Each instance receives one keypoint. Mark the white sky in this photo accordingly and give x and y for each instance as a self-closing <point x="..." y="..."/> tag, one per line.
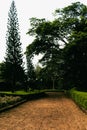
<point x="27" y="9"/>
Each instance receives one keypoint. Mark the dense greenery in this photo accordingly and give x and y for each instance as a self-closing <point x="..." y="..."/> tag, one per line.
<point x="79" y="97"/>
<point x="13" y="71"/>
<point x="7" y="101"/>
<point x="31" y="76"/>
<point x="62" y="44"/>
<point x="65" y="64"/>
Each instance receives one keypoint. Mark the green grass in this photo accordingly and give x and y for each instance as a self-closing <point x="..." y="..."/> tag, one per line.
<point x="21" y="93"/>
<point x="79" y="97"/>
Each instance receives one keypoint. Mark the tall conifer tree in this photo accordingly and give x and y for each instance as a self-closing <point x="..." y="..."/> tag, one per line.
<point x="13" y="59"/>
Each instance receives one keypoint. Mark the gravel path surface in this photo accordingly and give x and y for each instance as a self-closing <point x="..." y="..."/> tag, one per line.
<point x="51" y="113"/>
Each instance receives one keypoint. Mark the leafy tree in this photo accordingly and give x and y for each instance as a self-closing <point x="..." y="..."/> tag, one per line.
<point x="37" y="70"/>
<point x="2" y="70"/>
<point x="46" y="44"/>
<point x="30" y="73"/>
<point x="13" y="59"/>
<point x="69" y="17"/>
<point x="70" y="29"/>
<point x="75" y="57"/>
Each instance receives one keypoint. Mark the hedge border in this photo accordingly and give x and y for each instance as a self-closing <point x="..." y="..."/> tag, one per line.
<point x="71" y="93"/>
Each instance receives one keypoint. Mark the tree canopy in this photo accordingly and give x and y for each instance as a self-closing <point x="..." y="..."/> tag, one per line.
<point x="69" y="28"/>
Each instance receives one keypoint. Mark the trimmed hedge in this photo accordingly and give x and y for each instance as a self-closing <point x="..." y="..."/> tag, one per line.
<point x="79" y="97"/>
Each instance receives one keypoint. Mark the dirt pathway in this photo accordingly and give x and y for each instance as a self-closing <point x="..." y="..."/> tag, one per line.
<point x="50" y="113"/>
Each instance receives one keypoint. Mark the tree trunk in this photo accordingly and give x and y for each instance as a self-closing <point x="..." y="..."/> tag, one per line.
<point x="53" y="84"/>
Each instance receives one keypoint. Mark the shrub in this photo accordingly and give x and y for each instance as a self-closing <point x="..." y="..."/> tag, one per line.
<point x="79" y="97"/>
<point x="8" y="100"/>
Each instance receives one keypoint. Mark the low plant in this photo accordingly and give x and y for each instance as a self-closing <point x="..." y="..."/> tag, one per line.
<point x="8" y="100"/>
<point x="79" y="97"/>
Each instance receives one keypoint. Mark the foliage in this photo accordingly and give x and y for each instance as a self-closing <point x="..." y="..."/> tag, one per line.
<point x="75" y="54"/>
<point x="46" y="44"/>
<point x="13" y="60"/>
<point x="13" y="51"/>
<point x="2" y="70"/>
<point x="31" y="76"/>
<point x="79" y="97"/>
<point x="69" y="63"/>
<point x="74" y="21"/>
<point x="70" y="17"/>
<point x="6" y="101"/>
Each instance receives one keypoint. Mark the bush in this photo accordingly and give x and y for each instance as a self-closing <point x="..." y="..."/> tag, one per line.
<point x="79" y="97"/>
<point x="8" y="100"/>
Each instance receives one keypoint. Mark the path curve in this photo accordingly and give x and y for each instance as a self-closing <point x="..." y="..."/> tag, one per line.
<point x="51" y="113"/>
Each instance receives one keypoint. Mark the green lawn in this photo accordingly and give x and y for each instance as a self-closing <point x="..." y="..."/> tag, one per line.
<point x="21" y="92"/>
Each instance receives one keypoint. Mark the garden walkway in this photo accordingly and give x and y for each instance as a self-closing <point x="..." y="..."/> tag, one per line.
<point x="51" y="113"/>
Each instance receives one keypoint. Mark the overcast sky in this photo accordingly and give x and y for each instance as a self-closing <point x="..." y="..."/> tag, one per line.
<point x="27" y="9"/>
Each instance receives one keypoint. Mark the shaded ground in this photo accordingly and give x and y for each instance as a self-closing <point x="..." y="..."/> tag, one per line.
<point x="51" y="113"/>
